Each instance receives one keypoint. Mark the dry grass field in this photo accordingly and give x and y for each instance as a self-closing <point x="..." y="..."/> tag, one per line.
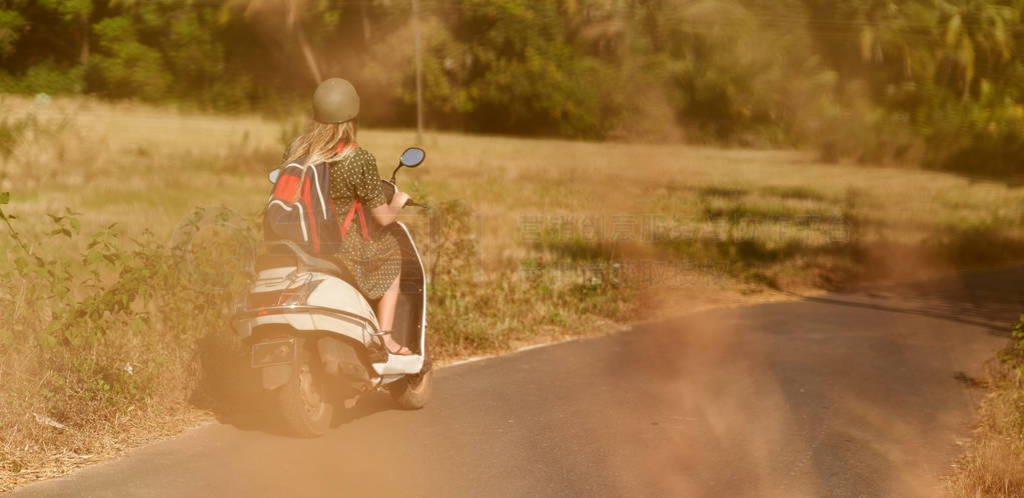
<point x="530" y="240"/>
<point x="993" y="463"/>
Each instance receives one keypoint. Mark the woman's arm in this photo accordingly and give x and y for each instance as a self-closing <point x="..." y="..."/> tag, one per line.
<point x="386" y="213"/>
<point x="364" y="180"/>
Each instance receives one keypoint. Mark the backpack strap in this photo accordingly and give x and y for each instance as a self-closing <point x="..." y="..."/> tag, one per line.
<point x="342" y="147"/>
<point x="356" y="206"/>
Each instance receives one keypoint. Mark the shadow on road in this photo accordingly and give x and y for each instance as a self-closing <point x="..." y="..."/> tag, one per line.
<point x="991" y="299"/>
<point x="367" y="404"/>
<point x="258" y="413"/>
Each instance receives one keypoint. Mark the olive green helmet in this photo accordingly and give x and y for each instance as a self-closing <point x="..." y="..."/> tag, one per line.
<point x="335" y="101"/>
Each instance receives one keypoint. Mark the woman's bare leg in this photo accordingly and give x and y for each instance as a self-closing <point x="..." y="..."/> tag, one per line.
<point x="386" y="316"/>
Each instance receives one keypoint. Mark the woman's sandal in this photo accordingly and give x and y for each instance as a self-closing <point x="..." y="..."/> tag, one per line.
<point x="401" y="351"/>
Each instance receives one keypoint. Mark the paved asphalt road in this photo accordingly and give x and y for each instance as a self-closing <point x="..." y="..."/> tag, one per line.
<point x="854" y="394"/>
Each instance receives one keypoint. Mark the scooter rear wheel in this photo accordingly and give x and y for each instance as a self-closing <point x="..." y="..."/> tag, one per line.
<point x="303" y="400"/>
<point x="413" y="392"/>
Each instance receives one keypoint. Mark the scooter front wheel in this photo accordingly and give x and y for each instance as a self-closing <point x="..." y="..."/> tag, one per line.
<point x="303" y="400"/>
<point x="413" y="391"/>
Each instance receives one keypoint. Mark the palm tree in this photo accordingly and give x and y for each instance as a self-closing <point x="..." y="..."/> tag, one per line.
<point x="967" y="36"/>
<point x="977" y="29"/>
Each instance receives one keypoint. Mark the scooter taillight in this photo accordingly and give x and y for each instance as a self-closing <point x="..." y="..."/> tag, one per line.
<point x="262" y="299"/>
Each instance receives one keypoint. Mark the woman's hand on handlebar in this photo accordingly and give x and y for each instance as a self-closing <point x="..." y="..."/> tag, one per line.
<point x="386" y="213"/>
<point x="399" y="200"/>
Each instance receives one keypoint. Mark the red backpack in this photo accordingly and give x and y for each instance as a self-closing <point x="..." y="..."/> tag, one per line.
<point x="309" y="220"/>
<point x="307" y="216"/>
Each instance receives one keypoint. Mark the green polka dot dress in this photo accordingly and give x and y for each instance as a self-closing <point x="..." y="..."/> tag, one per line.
<point x="373" y="263"/>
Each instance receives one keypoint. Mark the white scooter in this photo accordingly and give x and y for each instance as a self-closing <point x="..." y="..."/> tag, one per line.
<point x="316" y="338"/>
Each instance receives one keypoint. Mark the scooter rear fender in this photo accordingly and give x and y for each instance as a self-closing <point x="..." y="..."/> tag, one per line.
<point x="339" y="357"/>
<point x="276" y="376"/>
<point x="307" y="319"/>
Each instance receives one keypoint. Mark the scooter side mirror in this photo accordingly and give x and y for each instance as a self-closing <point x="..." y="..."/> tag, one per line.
<point x="412" y="157"/>
<point x="274" y="175"/>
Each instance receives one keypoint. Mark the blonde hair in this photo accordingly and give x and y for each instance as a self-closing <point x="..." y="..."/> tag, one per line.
<point x="322" y="142"/>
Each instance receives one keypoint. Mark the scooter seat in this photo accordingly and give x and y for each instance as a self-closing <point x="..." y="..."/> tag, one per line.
<point x="288" y="249"/>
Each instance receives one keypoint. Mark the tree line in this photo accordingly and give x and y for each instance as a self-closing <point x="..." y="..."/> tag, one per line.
<point x="936" y="82"/>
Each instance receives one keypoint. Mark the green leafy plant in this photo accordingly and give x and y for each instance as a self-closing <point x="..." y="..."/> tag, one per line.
<point x="114" y="319"/>
<point x="1016" y="354"/>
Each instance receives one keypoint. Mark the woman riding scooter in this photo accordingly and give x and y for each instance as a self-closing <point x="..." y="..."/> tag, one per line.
<point x="369" y="252"/>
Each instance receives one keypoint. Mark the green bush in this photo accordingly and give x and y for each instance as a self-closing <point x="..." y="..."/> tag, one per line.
<point x="1014" y="355"/>
<point x="46" y="77"/>
<point x="125" y="67"/>
<point x="116" y="325"/>
<point x="11" y="25"/>
<point x="983" y="136"/>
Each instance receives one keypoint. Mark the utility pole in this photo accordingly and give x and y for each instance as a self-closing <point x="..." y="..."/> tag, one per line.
<point x="419" y="71"/>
